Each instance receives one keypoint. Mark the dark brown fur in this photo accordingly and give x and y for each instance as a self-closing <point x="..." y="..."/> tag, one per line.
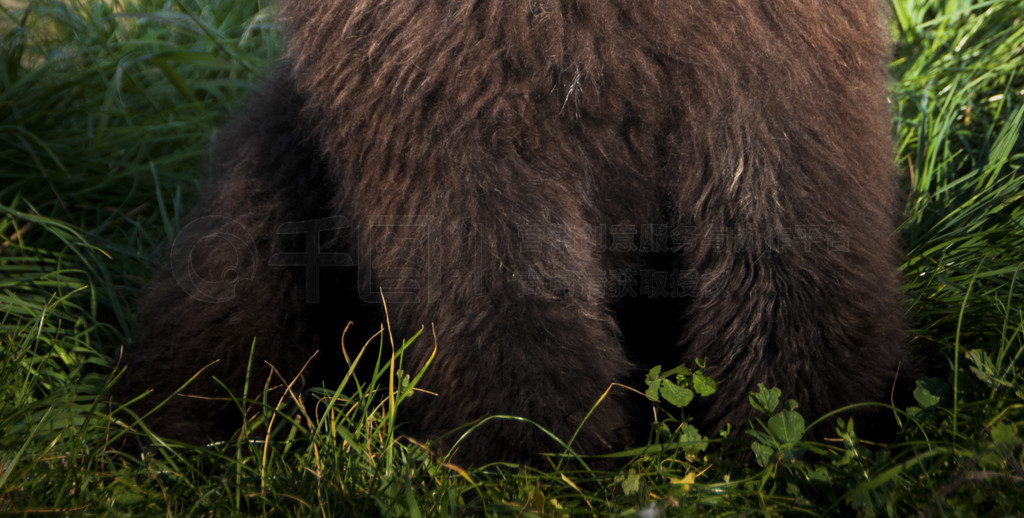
<point x="489" y="158"/>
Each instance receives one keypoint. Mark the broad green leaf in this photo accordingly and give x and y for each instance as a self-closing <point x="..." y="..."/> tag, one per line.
<point x="763" y="453"/>
<point x="632" y="483"/>
<point x="676" y="395"/>
<point x="787" y="426"/>
<point x="704" y="385"/>
<point x="930" y="392"/>
<point x="766" y="400"/>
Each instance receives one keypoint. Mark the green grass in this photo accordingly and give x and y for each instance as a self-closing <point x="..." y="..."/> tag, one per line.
<point x="105" y="111"/>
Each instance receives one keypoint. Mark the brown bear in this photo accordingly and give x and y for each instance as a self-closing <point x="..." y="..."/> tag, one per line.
<point x="563" y="193"/>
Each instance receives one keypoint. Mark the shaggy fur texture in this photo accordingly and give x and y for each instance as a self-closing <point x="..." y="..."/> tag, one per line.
<point x="567" y="191"/>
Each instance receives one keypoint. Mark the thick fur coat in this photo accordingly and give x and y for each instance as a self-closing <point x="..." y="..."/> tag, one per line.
<point x="563" y="192"/>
